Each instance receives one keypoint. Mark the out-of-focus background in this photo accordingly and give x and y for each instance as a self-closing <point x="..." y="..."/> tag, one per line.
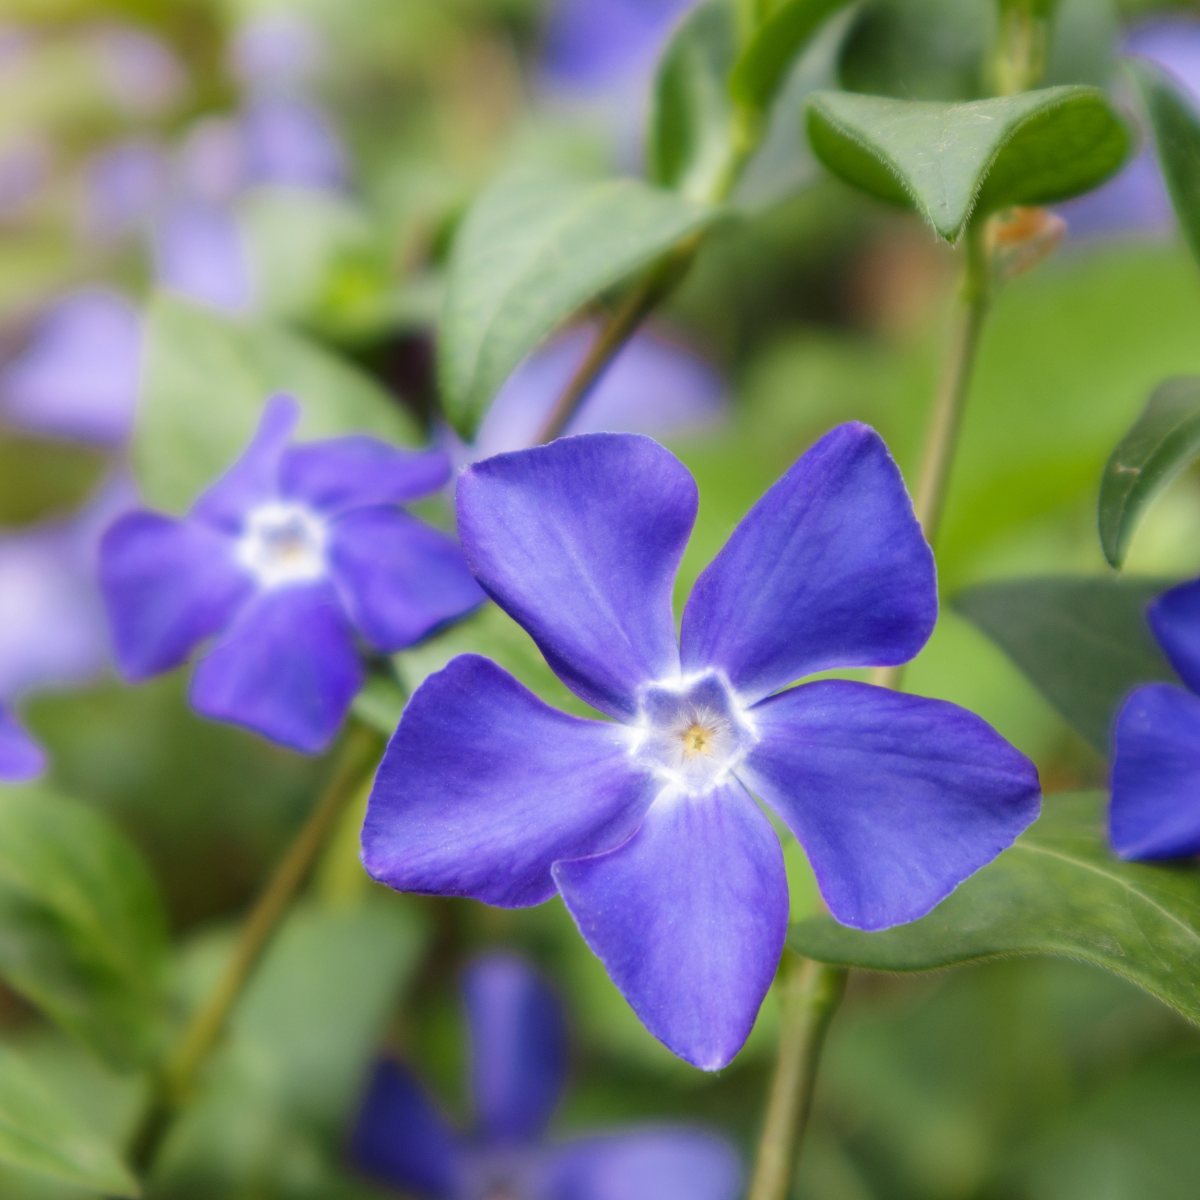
<point x="303" y="165"/>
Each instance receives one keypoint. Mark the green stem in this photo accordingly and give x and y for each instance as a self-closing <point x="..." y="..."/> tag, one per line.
<point x="811" y="993"/>
<point x="359" y="756"/>
<point x="941" y="443"/>
<point x="658" y="283"/>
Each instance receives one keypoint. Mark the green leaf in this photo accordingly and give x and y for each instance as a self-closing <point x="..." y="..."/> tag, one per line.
<point x="494" y="634"/>
<point x="1060" y="891"/>
<point x="39" y="1132"/>
<point x="82" y="928"/>
<point x="954" y="161"/>
<point x="783" y="36"/>
<point x="691" y="125"/>
<point x="1163" y="440"/>
<point x="205" y="380"/>
<point x="537" y="245"/>
<point x="1177" y="135"/>
<point x="1084" y="643"/>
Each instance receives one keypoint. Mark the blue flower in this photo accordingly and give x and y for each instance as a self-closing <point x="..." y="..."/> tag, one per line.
<point x="288" y="556"/>
<point x="77" y="375"/>
<point x="653" y="386"/>
<point x="645" y="824"/>
<point x="21" y="758"/>
<point x="52" y="627"/>
<point x="1136" y="199"/>
<point x="1155" y="811"/>
<point x="518" y="1067"/>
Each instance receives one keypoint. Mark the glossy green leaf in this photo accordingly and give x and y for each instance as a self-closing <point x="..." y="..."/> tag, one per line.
<point x="1083" y="642"/>
<point x="536" y="246"/>
<point x="1176" y="126"/>
<point x="1163" y="440"/>
<point x="778" y="42"/>
<point x="690" y="127"/>
<point x="40" y="1133"/>
<point x="954" y="161"/>
<point x="1059" y="890"/>
<point x="205" y="380"/>
<point x="82" y="928"/>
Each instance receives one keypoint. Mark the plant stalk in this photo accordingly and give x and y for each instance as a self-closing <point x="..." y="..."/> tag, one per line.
<point x="359" y="755"/>
<point x="661" y="280"/>
<point x="950" y="401"/>
<point x="812" y="992"/>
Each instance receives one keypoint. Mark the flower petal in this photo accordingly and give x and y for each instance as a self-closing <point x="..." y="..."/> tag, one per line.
<point x="286" y="668"/>
<point x="1175" y="619"/>
<point x="200" y="253"/>
<point x="689" y="918"/>
<point x="1156" y="775"/>
<point x="21" y="757"/>
<point x="78" y="377"/>
<point x="254" y="478"/>
<point x="167" y="585"/>
<point x="398" y="578"/>
<point x="829" y="569"/>
<point x="518" y="1048"/>
<point x="483" y="787"/>
<point x="579" y="541"/>
<point x="350" y="472"/>
<point x="401" y="1140"/>
<point x="645" y="1164"/>
<point x="291" y="143"/>
<point x="896" y="799"/>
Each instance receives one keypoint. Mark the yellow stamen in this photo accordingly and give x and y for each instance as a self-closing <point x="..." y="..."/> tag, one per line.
<point x="697" y="739"/>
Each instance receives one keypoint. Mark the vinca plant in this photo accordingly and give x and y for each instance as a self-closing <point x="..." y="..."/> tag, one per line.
<point x="599" y="599"/>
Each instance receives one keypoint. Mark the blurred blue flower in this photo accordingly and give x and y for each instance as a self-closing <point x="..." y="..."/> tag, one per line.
<point x="142" y="73"/>
<point x="645" y="824"/>
<point x="518" y="1068"/>
<point x="599" y="57"/>
<point x="1155" y="809"/>
<point x="124" y="185"/>
<point x="21" y="757"/>
<point x="274" y="51"/>
<point x="53" y="632"/>
<point x="653" y="386"/>
<point x="200" y="252"/>
<point x="293" y="553"/>
<point x="1136" y="200"/>
<point x="77" y="375"/>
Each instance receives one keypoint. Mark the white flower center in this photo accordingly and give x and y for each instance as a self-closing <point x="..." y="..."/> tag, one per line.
<point x="282" y="544"/>
<point x="693" y="732"/>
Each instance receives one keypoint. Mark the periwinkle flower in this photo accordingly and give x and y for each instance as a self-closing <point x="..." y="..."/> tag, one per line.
<point x="52" y="628"/>
<point x="77" y="375"/>
<point x="293" y="554"/>
<point x="518" y="1068"/>
<point x="124" y="186"/>
<point x="645" y="823"/>
<point x="1136" y="199"/>
<point x="291" y="143"/>
<point x="1155" y="810"/>
<point x="145" y="77"/>
<point x="653" y="386"/>
<point x="201" y="252"/>
<point x="21" y="758"/>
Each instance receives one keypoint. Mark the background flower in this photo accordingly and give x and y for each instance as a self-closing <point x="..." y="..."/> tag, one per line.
<point x="518" y="1069"/>
<point x="285" y="559"/>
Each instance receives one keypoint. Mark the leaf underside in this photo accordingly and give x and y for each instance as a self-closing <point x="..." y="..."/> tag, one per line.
<point x="536" y="246"/>
<point x="1083" y="642"/>
<point x="1058" y="891"/>
<point x="1163" y="440"/>
<point x="954" y="161"/>
<point x="205" y="380"/>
